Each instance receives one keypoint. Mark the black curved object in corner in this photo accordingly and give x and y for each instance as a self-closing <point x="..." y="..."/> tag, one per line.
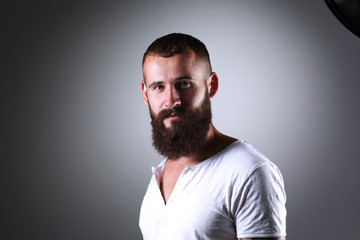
<point x="347" y="12"/>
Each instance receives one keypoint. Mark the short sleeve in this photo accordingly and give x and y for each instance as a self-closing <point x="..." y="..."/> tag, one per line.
<point x="259" y="206"/>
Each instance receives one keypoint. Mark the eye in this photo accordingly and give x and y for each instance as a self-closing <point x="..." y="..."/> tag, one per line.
<point x="157" y="87"/>
<point x="184" y="84"/>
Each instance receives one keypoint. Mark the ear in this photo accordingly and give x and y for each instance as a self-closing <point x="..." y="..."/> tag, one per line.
<point x="144" y="92"/>
<point x="213" y="84"/>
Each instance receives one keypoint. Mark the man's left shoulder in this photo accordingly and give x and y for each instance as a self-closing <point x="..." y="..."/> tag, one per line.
<point x="242" y="156"/>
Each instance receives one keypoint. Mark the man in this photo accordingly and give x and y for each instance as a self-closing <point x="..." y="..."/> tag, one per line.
<point x="210" y="186"/>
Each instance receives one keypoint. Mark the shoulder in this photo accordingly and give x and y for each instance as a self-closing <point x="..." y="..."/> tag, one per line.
<point x="241" y="161"/>
<point x="241" y="157"/>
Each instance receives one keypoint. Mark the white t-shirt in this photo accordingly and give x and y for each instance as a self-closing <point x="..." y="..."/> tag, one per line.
<point x="237" y="193"/>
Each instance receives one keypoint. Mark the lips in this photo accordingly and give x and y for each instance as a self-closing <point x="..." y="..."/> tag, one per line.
<point x="173" y="116"/>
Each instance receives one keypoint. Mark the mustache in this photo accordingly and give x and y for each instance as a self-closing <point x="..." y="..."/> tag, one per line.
<point x="171" y="111"/>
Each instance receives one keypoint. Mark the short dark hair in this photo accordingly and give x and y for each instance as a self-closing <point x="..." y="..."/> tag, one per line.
<point x="177" y="43"/>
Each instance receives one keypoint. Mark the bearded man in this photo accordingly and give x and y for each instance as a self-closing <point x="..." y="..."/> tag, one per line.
<point x="210" y="186"/>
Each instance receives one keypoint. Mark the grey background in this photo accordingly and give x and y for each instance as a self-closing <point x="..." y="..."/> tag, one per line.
<point x="77" y="139"/>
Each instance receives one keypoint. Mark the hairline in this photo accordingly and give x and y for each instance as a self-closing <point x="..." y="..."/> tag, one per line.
<point x="203" y="59"/>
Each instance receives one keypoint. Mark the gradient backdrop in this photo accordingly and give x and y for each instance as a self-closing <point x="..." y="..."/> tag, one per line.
<point x="77" y="136"/>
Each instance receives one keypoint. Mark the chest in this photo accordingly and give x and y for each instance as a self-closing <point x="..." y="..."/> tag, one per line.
<point x="197" y="206"/>
<point x="168" y="181"/>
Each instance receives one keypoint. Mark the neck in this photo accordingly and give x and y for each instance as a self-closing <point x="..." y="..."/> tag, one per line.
<point x="214" y="143"/>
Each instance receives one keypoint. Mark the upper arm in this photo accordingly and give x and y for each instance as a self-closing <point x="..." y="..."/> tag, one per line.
<point x="260" y="206"/>
<point x="275" y="238"/>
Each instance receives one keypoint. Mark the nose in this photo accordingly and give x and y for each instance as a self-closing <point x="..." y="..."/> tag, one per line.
<point x="172" y="98"/>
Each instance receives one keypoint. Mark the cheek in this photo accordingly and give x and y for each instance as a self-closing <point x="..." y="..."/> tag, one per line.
<point x="154" y="104"/>
<point x="196" y="98"/>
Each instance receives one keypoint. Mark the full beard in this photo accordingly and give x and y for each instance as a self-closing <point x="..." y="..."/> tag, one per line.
<point x="185" y="135"/>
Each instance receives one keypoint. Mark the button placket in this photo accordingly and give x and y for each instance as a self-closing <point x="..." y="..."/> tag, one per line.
<point x="178" y="186"/>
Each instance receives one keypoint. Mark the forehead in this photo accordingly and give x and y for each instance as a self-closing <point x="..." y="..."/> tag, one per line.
<point x="160" y="68"/>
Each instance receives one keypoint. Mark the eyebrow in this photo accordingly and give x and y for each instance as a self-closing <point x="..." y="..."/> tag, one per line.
<point x="155" y="83"/>
<point x="183" y="77"/>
